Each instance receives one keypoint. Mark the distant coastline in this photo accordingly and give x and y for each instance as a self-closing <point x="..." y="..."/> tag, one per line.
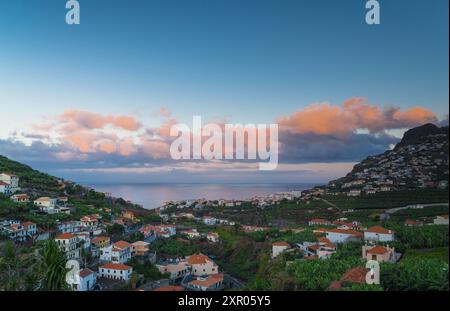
<point x="152" y="195"/>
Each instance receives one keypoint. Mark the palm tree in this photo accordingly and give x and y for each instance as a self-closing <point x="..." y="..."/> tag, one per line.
<point x="54" y="264"/>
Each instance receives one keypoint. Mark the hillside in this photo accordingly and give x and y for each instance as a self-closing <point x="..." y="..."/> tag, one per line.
<point x="36" y="183"/>
<point x="30" y="178"/>
<point x="418" y="161"/>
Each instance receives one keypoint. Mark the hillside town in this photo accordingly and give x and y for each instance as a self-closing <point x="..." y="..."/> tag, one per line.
<point x="211" y="245"/>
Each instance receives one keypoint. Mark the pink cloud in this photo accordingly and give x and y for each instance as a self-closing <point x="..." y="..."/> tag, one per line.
<point x="353" y="114"/>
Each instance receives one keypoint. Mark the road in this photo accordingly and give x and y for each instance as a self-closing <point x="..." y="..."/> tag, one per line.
<point x="395" y="209"/>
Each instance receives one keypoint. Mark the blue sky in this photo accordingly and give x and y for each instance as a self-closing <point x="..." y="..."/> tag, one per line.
<point x="243" y="61"/>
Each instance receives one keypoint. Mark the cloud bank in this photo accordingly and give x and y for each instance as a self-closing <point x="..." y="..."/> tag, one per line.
<point x="320" y="132"/>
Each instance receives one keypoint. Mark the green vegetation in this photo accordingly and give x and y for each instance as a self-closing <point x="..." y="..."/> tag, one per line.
<point x="171" y="247"/>
<point x="147" y="269"/>
<point x="384" y="200"/>
<point x="420" y="237"/>
<point x="416" y="274"/>
<point x="41" y="267"/>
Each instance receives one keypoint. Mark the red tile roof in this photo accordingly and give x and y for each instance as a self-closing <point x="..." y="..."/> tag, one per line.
<point x="211" y="280"/>
<point x="169" y="288"/>
<point x="198" y="259"/>
<point x="85" y="272"/>
<point x="114" y="266"/>
<point x="355" y="275"/>
<point x="378" y="250"/>
<point x="122" y="244"/>
<point x="65" y="236"/>
<point x="379" y="229"/>
<point x="99" y="239"/>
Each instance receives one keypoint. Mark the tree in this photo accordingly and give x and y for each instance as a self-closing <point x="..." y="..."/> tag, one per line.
<point x="54" y="265"/>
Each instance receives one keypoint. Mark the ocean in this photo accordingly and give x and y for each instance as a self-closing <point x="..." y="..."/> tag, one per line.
<point x="153" y="195"/>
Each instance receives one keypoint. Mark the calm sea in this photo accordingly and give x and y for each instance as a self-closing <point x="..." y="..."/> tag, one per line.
<point x="153" y="195"/>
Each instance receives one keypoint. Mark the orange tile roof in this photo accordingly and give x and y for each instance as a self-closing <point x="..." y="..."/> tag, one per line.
<point x="65" y="236"/>
<point x="320" y="220"/>
<point x="211" y="280"/>
<point x="355" y="275"/>
<point x="324" y="240"/>
<point x="169" y="288"/>
<point x="379" y="229"/>
<point x="99" y="239"/>
<point x="122" y="244"/>
<point x="115" y="266"/>
<point x="85" y="272"/>
<point x="378" y="250"/>
<point x="329" y="245"/>
<point x="197" y="259"/>
<point x="413" y="222"/>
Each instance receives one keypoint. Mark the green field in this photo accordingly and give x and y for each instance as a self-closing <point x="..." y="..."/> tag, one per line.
<point x="436" y="253"/>
<point x="385" y="200"/>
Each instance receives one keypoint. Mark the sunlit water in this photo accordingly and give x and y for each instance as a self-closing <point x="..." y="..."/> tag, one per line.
<point x="153" y="195"/>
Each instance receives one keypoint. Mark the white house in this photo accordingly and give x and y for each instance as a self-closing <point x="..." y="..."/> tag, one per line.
<point x="115" y="271"/>
<point x="212" y="237"/>
<point x="379" y="253"/>
<point x="210" y="221"/>
<point x="5" y="188"/>
<point x="118" y="253"/>
<point x="175" y="270"/>
<point x="379" y="234"/>
<point x="278" y="248"/>
<point x="202" y="265"/>
<point x="69" y="244"/>
<point x="441" y="220"/>
<point x="11" y="180"/>
<point x="191" y="233"/>
<point x="21" y="231"/>
<point x="20" y="198"/>
<point x="87" y="280"/>
<point x="342" y="235"/>
<point x="46" y="204"/>
<point x="73" y="226"/>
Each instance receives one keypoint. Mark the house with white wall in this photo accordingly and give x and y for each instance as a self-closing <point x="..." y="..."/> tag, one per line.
<point x="20" y="232"/>
<point x="378" y="234"/>
<point x="10" y="181"/>
<point x="279" y="247"/>
<point x="176" y="270"/>
<point x="46" y="204"/>
<point x="115" y="271"/>
<point x="202" y="265"/>
<point x="342" y="235"/>
<point x="69" y="244"/>
<point x="379" y="253"/>
<point x="209" y="283"/>
<point x="87" y="280"/>
<point x="441" y="220"/>
<point x="119" y="252"/>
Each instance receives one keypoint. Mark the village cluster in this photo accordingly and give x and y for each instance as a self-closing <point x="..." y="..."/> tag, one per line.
<point x="421" y="165"/>
<point x="196" y="272"/>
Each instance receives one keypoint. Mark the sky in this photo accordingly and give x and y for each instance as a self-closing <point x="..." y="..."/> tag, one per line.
<point x="94" y="101"/>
